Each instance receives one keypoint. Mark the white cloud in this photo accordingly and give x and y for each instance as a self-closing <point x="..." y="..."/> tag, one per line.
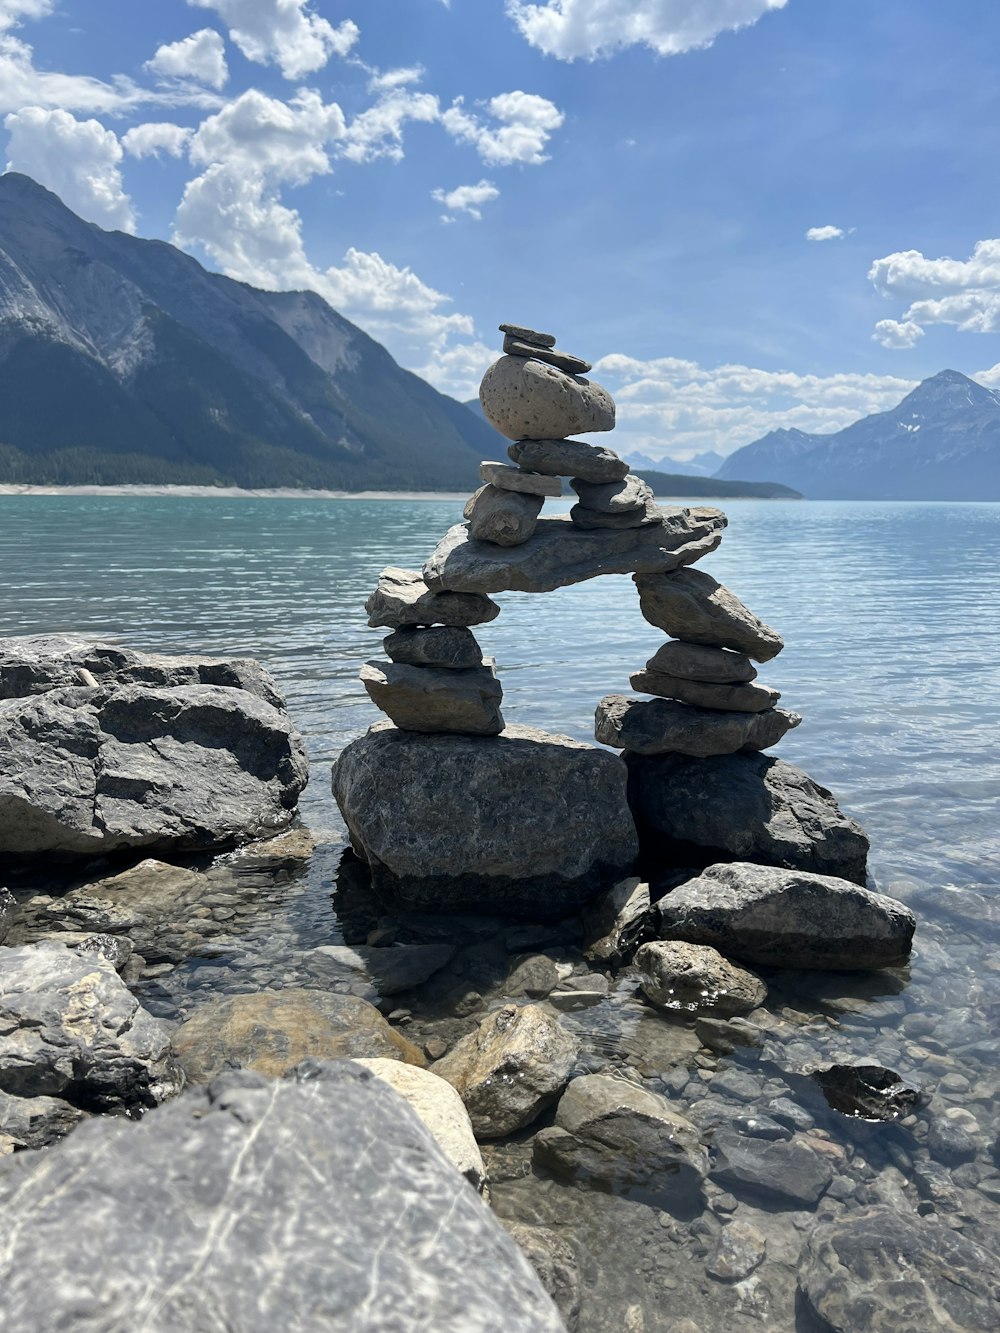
<point x="286" y="33"/>
<point x="79" y="159"/>
<point x="527" y="122"/>
<point x="467" y="198"/>
<point x="572" y="29"/>
<point x="13" y="12"/>
<point x="263" y="136"/>
<point x="382" y="81"/>
<point x="378" y="132"/>
<point x="156" y="137"/>
<point x="893" y="334"/>
<point x="961" y="292"/>
<point x="824" y="233"/>
<point x="673" y="408"/>
<point x="201" y="57"/>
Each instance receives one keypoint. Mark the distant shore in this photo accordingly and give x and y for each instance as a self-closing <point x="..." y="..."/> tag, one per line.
<point x="226" y="492"/>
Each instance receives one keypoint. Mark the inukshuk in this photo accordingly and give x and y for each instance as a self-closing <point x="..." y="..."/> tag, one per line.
<point x="438" y="689"/>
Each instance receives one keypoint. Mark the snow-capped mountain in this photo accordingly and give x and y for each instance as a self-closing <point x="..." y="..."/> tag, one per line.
<point x="941" y="443"/>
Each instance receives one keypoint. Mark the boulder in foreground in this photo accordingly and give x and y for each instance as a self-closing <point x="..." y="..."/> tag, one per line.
<point x="321" y="1203"/>
<point x="740" y="807"/>
<point x="788" y="918"/>
<point x="525" y="823"/>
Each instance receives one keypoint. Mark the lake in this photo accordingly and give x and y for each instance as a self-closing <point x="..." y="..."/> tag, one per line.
<point x="890" y="616"/>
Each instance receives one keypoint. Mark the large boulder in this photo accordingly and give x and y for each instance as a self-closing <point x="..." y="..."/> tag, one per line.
<point x="788" y="918"/>
<point x="525" y="823"/>
<point x="90" y="770"/>
<point x="740" y="807"/>
<point x="272" y="1032"/>
<point x="71" y="1029"/>
<point x="320" y="1204"/>
<point x="511" y="1068"/>
<point x="521" y="396"/>
<point x="664" y="726"/>
<point x="559" y="553"/>
<point x="888" y="1272"/>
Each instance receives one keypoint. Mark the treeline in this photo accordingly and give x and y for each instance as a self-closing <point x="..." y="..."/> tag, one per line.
<point x="672" y="485"/>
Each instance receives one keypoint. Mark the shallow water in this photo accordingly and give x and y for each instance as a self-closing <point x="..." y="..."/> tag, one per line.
<point x="889" y="612"/>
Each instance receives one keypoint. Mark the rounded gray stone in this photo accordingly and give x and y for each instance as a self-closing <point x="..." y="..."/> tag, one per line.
<point x="573" y="365"/>
<point x="625" y="518"/>
<point x="401" y="597"/>
<point x="529" y="398"/>
<point x="613" y="497"/>
<point x="529" y="335"/>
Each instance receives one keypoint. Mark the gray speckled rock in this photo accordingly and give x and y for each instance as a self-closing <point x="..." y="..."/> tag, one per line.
<point x="747" y="698"/>
<point x="560" y="553"/>
<point x="403" y="598"/>
<point x="610" y="1131"/>
<point x="419" y="698"/>
<point x="572" y="365"/>
<point x="741" y="807"/>
<point x="510" y="1069"/>
<point x="613" y="497"/>
<point x="784" y="1172"/>
<point x="36" y="663"/>
<point x="891" y="1272"/>
<point x="695" y="977"/>
<point x="321" y="1205"/>
<point x="663" y="726"/>
<point x="526" y="397"/>
<point x="88" y="771"/>
<point x="696" y="661"/>
<point x="34" y="1122"/>
<point x="272" y="1031"/>
<point x="788" y="918"/>
<point x="507" y="478"/>
<point x="447" y="646"/>
<point x="504" y="517"/>
<point x="692" y="606"/>
<point x="618" y="521"/>
<point x="529" y="335"/>
<point x="569" y="458"/>
<point x="441" y="1109"/>
<point x="455" y="823"/>
<point x="70" y="1028"/>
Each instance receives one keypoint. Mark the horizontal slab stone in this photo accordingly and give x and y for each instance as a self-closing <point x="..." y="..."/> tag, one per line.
<point x="456" y="822"/>
<point x="745" y="807"/>
<point x="529" y="335"/>
<point x="695" y="661"/>
<point x="617" y="522"/>
<point x="503" y="517"/>
<point x="704" y="694"/>
<point x="403" y="598"/>
<point x="509" y="478"/>
<point x="526" y="397"/>
<point x="664" y="726"/>
<point x="698" y="609"/>
<point x="569" y="458"/>
<point x="448" y="646"/>
<point x="560" y="553"/>
<point x="573" y="365"/>
<point x="771" y="917"/>
<point x="430" y="699"/>
<point x="613" y="497"/>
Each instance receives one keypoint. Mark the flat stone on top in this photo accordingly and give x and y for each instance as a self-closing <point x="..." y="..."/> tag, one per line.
<point x="505" y="518"/>
<point x="560" y="553"/>
<point x="704" y="694"/>
<point x="569" y="458"/>
<point x="613" y="497"/>
<point x="425" y="699"/>
<point x="509" y="478"/>
<point x="403" y="598"/>
<point x="662" y="726"/>
<point x="573" y="365"/>
<point x="692" y="606"/>
<point x="696" y="661"/>
<point x="526" y="397"/>
<point x="529" y="335"/>
<point x="448" y="646"/>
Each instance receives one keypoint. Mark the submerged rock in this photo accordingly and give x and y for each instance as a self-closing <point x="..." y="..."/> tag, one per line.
<point x="71" y="1029"/>
<point x="746" y="807"/>
<point x="695" y="977"/>
<point x="528" y="397"/>
<point x="692" y="606"/>
<point x="432" y="699"/>
<point x="788" y="918"/>
<point x="272" y="1032"/>
<point x="738" y="1251"/>
<point x="456" y="823"/>
<point x="394" y="969"/>
<point x="320" y="1204"/>
<point x="663" y="726"/>
<point x="892" y="1272"/>
<point x="554" y="1260"/>
<point x="89" y="771"/>
<point x="867" y="1091"/>
<point x="560" y="553"/>
<point x="510" y="1069"/>
<point x="782" y="1172"/>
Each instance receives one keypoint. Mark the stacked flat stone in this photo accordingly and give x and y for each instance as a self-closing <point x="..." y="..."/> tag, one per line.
<point x="708" y="699"/>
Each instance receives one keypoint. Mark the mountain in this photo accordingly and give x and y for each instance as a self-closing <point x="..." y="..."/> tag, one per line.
<point x="941" y="443"/>
<point x="701" y="465"/>
<point x="125" y="361"/>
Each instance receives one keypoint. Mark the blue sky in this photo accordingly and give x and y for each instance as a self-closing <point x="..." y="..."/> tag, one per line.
<point x="747" y="213"/>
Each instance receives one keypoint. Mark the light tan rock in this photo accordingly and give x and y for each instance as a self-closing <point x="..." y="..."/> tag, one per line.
<point x="696" y="978"/>
<point x="528" y="398"/>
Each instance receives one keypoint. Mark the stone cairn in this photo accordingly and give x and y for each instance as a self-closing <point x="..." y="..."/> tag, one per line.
<point x="437" y="679"/>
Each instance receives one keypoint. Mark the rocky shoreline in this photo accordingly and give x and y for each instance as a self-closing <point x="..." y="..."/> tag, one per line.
<point x="659" y="1085"/>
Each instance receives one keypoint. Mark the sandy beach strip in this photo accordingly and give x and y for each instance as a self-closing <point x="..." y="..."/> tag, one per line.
<point x="231" y="492"/>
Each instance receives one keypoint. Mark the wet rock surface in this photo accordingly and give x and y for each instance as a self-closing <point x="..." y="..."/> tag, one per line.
<point x="256" y="1205"/>
<point x="696" y="978"/>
